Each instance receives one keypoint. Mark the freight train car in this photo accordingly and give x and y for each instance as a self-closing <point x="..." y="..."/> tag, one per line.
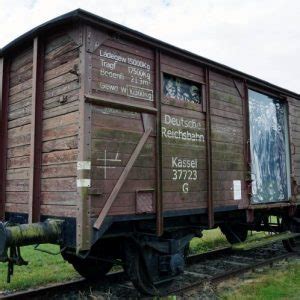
<point x="117" y="146"/>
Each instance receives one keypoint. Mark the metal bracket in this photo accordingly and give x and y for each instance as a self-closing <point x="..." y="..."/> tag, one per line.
<point x="14" y="258"/>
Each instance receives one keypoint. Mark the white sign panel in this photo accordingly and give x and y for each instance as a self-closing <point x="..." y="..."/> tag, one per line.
<point x="237" y="190"/>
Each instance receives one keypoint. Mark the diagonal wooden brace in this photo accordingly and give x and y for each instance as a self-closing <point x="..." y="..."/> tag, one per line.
<point x="113" y="195"/>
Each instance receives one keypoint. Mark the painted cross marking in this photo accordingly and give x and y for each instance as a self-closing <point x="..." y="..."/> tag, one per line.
<point x="105" y="160"/>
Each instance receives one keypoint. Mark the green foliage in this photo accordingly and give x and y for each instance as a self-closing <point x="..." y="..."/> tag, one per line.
<point x="276" y="283"/>
<point x="211" y="239"/>
<point x="41" y="270"/>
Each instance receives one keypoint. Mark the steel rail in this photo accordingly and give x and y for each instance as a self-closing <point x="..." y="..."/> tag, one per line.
<point x="120" y="276"/>
<point x="110" y="277"/>
<point x="232" y="273"/>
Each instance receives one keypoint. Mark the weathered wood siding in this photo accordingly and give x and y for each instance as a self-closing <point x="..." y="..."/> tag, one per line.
<point x="113" y="143"/>
<point x="60" y="126"/>
<point x="19" y="132"/>
<point x="184" y="187"/>
<point x="294" y="132"/>
<point x="227" y="138"/>
<point x="121" y="71"/>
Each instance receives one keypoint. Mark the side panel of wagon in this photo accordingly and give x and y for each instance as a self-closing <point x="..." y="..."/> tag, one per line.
<point x="125" y="72"/>
<point x="42" y="128"/>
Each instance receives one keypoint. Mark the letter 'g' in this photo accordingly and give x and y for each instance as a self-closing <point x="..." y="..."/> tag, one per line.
<point x="185" y="187"/>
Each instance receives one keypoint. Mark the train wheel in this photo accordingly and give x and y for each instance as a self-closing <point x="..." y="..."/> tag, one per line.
<point x="137" y="272"/>
<point x="291" y="245"/>
<point x="235" y="233"/>
<point x="89" y="268"/>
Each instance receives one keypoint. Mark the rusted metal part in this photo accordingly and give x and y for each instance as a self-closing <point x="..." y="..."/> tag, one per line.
<point x="28" y="294"/>
<point x="4" y="94"/>
<point x="49" y="231"/>
<point x="52" y="289"/>
<point x="210" y="204"/>
<point x="83" y="232"/>
<point x="120" y="104"/>
<point x="13" y="237"/>
<point x="36" y="131"/>
<point x="196" y="258"/>
<point x="122" y="179"/>
<point x="159" y="197"/>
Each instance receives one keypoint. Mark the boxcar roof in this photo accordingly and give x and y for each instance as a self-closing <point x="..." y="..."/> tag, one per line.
<point x="82" y="15"/>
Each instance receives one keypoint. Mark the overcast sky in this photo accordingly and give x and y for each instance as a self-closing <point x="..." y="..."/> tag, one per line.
<point x="259" y="37"/>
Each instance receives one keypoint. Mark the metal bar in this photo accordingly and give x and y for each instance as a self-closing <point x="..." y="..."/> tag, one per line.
<point x="118" y="104"/>
<point x="4" y="94"/>
<point x="159" y="197"/>
<point x="210" y="204"/>
<point x="84" y="232"/>
<point x="36" y="132"/>
<point x="122" y="179"/>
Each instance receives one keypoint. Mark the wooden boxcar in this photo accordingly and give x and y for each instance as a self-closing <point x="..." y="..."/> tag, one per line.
<point x="136" y="146"/>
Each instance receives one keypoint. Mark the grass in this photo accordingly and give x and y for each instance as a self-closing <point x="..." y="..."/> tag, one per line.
<point x="41" y="269"/>
<point x="213" y="239"/>
<point x="267" y="286"/>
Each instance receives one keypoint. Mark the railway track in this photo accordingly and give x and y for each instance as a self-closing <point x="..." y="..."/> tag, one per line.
<point x="211" y="267"/>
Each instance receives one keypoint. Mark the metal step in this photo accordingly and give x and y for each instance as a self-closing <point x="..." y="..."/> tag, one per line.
<point x="264" y="241"/>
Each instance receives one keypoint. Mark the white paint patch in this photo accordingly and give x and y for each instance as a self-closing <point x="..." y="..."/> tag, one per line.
<point x="83" y="165"/>
<point x="237" y="190"/>
<point x="83" y="183"/>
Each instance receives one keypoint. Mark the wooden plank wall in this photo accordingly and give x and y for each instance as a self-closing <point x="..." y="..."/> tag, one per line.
<point x="114" y="81"/>
<point x="227" y="136"/>
<point x="19" y="128"/>
<point x="60" y="126"/>
<point x="118" y="65"/>
<point x="175" y="193"/>
<point x="115" y="134"/>
<point x="294" y="123"/>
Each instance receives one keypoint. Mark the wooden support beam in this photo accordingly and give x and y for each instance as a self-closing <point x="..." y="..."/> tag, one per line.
<point x="159" y="196"/>
<point x="36" y="132"/>
<point x="4" y="94"/>
<point x="246" y="197"/>
<point x="113" y="195"/>
<point x="83" y="225"/>
<point x="210" y="204"/>
<point x="120" y="104"/>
